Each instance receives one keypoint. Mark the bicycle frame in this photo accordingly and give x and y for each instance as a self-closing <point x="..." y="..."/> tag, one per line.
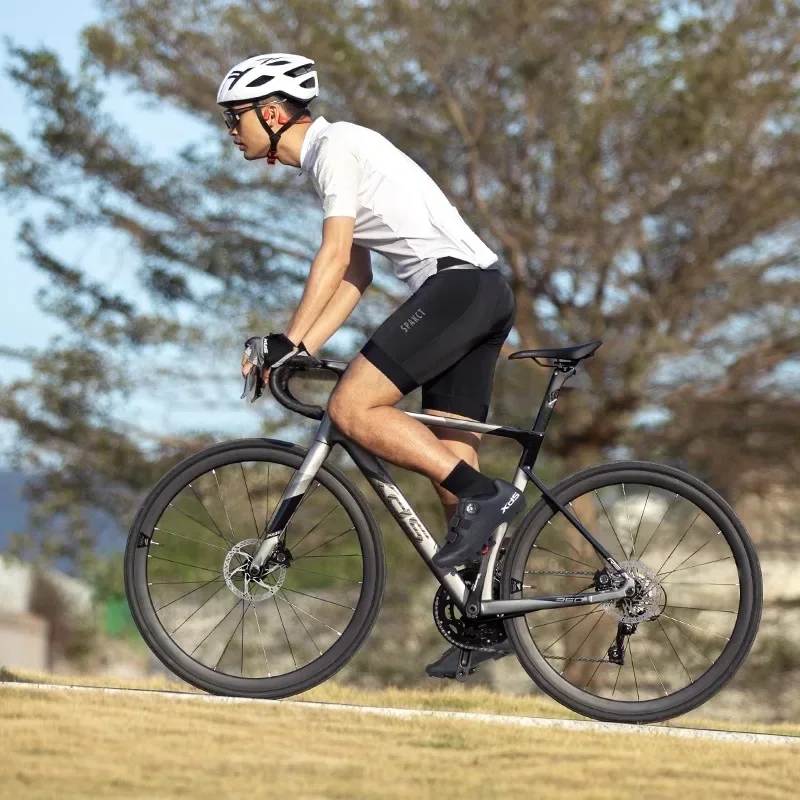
<point x="378" y="476"/>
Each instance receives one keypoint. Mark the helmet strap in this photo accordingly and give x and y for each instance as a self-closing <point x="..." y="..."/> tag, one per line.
<point x="275" y="136"/>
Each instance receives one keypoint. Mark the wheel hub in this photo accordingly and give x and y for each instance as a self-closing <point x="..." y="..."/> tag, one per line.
<point x="648" y="600"/>
<point x="255" y="589"/>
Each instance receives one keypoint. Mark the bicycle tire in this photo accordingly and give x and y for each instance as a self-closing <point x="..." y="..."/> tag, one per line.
<point x="289" y="683"/>
<point x="750" y="595"/>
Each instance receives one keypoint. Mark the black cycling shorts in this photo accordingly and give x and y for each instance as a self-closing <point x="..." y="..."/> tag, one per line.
<point x="446" y="338"/>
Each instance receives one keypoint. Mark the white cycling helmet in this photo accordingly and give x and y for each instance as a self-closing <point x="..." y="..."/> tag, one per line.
<point x="271" y="73"/>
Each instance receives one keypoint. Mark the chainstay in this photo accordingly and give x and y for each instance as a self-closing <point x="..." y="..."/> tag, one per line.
<point x="568" y="572"/>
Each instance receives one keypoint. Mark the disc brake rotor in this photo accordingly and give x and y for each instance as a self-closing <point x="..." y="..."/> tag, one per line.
<point x="648" y="600"/>
<point x="253" y="589"/>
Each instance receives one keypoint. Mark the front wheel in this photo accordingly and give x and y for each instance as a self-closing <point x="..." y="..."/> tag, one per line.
<point x="195" y="604"/>
<point x="695" y="612"/>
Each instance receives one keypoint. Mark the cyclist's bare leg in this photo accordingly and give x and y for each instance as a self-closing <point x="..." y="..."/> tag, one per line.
<point x="464" y="445"/>
<point x="362" y="407"/>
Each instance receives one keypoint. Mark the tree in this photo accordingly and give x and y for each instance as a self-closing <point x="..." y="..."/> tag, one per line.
<point x="634" y="164"/>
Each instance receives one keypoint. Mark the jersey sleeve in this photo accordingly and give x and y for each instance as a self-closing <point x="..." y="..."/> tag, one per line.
<point x="339" y="177"/>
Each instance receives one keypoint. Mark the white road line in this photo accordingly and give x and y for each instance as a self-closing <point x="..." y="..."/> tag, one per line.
<point x="412" y="713"/>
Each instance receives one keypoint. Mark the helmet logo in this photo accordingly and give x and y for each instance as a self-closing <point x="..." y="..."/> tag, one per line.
<point x="235" y="76"/>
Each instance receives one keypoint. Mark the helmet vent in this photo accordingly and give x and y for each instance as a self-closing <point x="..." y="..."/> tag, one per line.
<point x="260" y="81"/>
<point x="297" y="71"/>
<point x="308" y="84"/>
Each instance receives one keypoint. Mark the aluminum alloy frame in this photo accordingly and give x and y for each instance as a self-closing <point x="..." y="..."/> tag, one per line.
<point x="376" y="473"/>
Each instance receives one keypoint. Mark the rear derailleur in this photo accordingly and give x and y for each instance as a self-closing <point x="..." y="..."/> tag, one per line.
<point x="616" y="653"/>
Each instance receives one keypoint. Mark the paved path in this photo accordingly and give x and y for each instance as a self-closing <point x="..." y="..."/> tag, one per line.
<point x="411" y="713"/>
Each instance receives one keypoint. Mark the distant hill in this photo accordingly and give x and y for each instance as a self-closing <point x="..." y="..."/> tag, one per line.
<point x="14" y="512"/>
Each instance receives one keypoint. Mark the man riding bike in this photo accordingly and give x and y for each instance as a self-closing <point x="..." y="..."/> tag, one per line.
<point x="446" y="337"/>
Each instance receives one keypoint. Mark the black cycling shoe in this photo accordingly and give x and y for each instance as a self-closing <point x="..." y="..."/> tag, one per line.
<point x="447" y="665"/>
<point x="475" y="521"/>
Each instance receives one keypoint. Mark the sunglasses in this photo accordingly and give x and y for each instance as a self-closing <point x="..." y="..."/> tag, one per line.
<point x="232" y="117"/>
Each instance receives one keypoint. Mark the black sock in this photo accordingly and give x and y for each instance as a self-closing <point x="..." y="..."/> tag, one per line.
<point x="464" y="481"/>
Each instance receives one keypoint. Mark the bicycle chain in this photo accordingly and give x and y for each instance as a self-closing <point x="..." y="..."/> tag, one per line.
<point x="558" y="572"/>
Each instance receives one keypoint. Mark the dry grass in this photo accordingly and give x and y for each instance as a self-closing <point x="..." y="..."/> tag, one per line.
<point x="64" y="745"/>
<point x="442" y="696"/>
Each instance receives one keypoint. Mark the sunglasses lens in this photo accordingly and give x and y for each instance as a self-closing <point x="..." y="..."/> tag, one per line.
<point x="231" y="119"/>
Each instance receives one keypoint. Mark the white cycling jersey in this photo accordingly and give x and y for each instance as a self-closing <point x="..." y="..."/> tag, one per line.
<point x="399" y="211"/>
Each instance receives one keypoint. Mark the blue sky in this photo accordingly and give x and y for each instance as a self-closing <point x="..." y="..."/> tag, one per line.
<point x="56" y="25"/>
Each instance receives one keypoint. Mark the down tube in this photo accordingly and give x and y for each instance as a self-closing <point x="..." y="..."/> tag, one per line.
<point x="413" y="527"/>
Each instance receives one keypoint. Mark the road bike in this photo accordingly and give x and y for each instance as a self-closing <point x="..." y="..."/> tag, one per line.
<point x="629" y="591"/>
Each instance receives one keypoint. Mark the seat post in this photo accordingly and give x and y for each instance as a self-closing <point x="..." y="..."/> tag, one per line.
<point x="561" y="374"/>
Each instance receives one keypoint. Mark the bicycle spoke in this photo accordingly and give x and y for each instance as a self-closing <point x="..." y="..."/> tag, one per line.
<point x="666" y="693"/>
<point x="690" y="556"/>
<point x="327" y="575"/>
<point x="183" y="563"/>
<point x="297" y="544"/>
<point x="561" y="555"/>
<point x="627" y="517"/>
<point x="280" y="616"/>
<point x="569" y="544"/>
<point x="564" y="634"/>
<point x="712" y="610"/>
<point x="694" y="566"/>
<point x="679" y="542"/>
<point x="698" y="648"/>
<point x="227" y="516"/>
<point x="215" y="627"/>
<point x="644" y="508"/>
<point x="285" y="600"/>
<point x="633" y="667"/>
<point x="197" y="588"/>
<point x="208" y="513"/>
<point x="616" y="681"/>
<point x="696" y="627"/>
<point x="560" y="619"/>
<point x="202" y="524"/>
<point x="688" y="674"/>
<point x="611" y="524"/>
<point x="321" y="599"/>
<point x="337" y="555"/>
<point x="304" y="626"/>
<point x="227" y="644"/>
<point x="597" y="622"/>
<point x="241" y="663"/>
<point x="261" y="638"/>
<point x="188" y="538"/>
<point x="249" y="499"/>
<point x="653" y="536"/>
<point x="305" y="555"/>
<point x="263" y="533"/>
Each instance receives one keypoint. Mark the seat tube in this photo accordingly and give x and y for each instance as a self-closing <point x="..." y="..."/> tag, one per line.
<point x="557" y="380"/>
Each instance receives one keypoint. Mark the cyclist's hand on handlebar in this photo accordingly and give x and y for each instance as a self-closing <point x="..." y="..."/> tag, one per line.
<point x="261" y="354"/>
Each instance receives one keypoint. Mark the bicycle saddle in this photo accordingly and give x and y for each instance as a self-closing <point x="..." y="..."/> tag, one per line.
<point x="574" y="353"/>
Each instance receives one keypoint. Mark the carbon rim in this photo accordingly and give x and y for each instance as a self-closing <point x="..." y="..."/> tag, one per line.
<point x="689" y="626"/>
<point x="199" y="536"/>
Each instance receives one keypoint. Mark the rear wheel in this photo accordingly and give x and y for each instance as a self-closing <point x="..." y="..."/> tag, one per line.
<point x="694" y="615"/>
<point x="197" y="607"/>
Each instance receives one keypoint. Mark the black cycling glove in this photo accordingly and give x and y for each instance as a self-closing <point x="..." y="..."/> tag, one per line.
<point x="266" y="352"/>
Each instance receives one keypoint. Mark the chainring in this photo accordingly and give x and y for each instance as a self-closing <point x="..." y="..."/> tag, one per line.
<point x="460" y="630"/>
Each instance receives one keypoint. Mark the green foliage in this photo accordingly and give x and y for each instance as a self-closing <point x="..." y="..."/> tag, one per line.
<point x="635" y="166"/>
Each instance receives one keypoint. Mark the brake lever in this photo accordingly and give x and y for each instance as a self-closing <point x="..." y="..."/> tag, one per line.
<point x="253" y="384"/>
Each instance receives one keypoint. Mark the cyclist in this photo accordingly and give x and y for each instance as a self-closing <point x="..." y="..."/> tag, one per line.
<point x="445" y="338"/>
